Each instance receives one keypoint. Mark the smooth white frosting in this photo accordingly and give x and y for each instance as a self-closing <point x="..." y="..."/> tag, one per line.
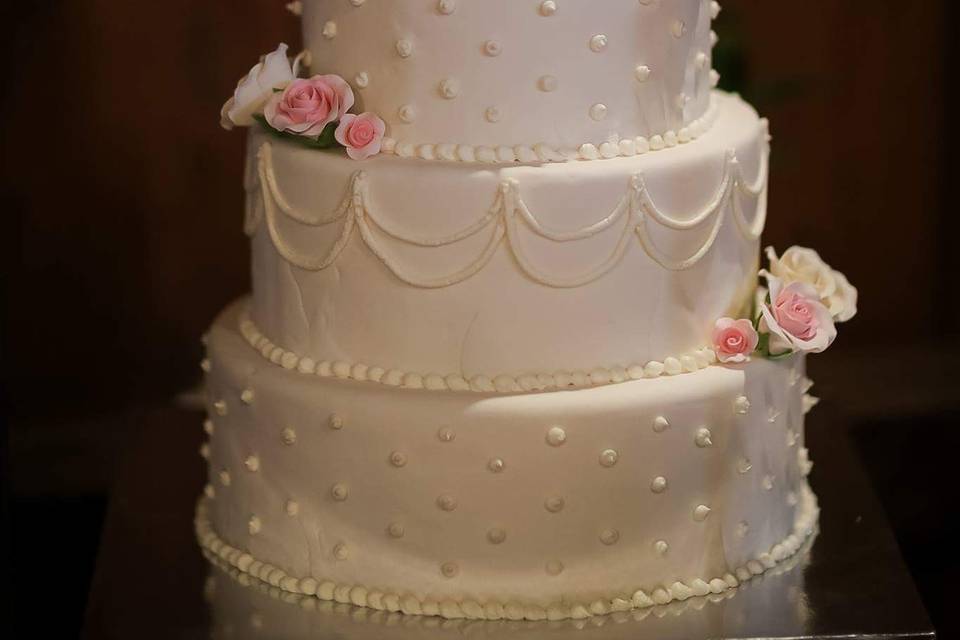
<point x="604" y="265"/>
<point x="400" y="506"/>
<point x="562" y="74"/>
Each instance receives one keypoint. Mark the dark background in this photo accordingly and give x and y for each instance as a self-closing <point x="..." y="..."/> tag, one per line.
<point x="122" y="200"/>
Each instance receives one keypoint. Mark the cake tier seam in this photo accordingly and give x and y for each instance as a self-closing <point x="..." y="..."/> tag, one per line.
<point x="615" y="147"/>
<point x="805" y="525"/>
<point x="502" y="383"/>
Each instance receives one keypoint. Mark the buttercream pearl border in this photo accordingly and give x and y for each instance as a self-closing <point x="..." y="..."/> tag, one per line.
<point x="504" y="154"/>
<point x="671" y="366"/>
<point x="382" y="617"/>
<point x="385" y="600"/>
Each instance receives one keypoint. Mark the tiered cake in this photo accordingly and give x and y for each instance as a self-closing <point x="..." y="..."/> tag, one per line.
<point x="505" y="355"/>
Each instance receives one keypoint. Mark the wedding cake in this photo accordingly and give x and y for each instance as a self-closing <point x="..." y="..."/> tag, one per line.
<point x="507" y="353"/>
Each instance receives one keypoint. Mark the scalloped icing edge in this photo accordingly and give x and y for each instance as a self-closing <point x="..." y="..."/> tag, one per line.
<point x="804" y="527"/>
<point x="542" y="152"/>
<point x="671" y="366"/>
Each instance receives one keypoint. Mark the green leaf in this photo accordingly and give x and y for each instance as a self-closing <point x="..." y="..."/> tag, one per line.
<point x="325" y="140"/>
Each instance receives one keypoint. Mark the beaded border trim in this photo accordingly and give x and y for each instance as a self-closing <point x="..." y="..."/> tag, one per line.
<point x="378" y="617"/>
<point x="503" y="154"/>
<point x="804" y="527"/>
<point x="671" y="366"/>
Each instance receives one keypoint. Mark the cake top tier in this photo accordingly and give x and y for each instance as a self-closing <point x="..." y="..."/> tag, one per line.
<point x="508" y="73"/>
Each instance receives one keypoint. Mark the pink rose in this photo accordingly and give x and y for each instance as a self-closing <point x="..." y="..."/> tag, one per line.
<point x="362" y="135"/>
<point x="306" y="106"/>
<point x="795" y="318"/>
<point x="734" y="340"/>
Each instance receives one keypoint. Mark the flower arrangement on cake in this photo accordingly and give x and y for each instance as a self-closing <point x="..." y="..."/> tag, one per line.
<point x="310" y="111"/>
<point x="797" y="312"/>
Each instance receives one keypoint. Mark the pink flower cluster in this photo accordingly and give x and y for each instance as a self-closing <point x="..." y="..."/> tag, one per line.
<point x="307" y="105"/>
<point x="792" y="317"/>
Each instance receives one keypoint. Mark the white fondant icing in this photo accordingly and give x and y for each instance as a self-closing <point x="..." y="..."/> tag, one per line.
<point x="379" y="413"/>
<point x="360" y="326"/>
<point x="597" y="63"/>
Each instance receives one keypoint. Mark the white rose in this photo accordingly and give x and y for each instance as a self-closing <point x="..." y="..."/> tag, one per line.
<point x="800" y="264"/>
<point x="256" y="88"/>
<point x="843" y="302"/>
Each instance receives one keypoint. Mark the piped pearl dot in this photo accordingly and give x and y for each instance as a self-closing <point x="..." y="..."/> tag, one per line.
<point x="446" y="434"/>
<point x="208" y="427"/>
<point x="743" y="465"/>
<point x="768" y="483"/>
<point x="395" y="530"/>
<point x="598" y="111"/>
<point x="714" y="9"/>
<point x="701" y="512"/>
<point x="398" y="458"/>
<point x="205" y="365"/>
<point x="209" y="491"/>
<point x="548" y="8"/>
<point x="446" y="7"/>
<point x="205" y="451"/>
<point x="252" y="463"/>
<point x="743" y="529"/>
<point x="660" y="424"/>
<point x="362" y="80"/>
<point x="741" y="405"/>
<point x="288" y="436"/>
<point x="291" y="507"/>
<point x="556" y="436"/>
<point x="547" y="83"/>
<point x="492" y="48"/>
<point x="554" y="567"/>
<point x="701" y="60"/>
<point x="335" y="422"/>
<point x="446" y="503"/>
<point x="254" y="525"/>
<point x="404" y="48"/>
<point x="246" y="396"/>
<point x="792" y="499"/>
<point x="554" y="504"/>
<point x="339" y="492"/>
<point x="608" y="458"/>
<point x="449" y="569"/>
<point x="642" y="73"/>
<point x="496" y="535"/>
<point x="341" y="552"/>
<point x="330" y="30"/>
<point x="658" y="484"/>
<point x="703" y="438"/>
<point x="496" y="465"/>
<point x="661" y="547"/>
<point x="492" y="114"/>
<point x="449" y="88"/>
<point x="609" y="536"/>
<point x="598" y="43"/>
<point x="225" y="478"/>
<point x="220" y="407"/>
<point x="678" y="28"/>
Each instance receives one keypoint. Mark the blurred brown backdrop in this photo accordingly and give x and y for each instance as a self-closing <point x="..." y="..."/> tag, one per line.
<point x="122" y="199"/>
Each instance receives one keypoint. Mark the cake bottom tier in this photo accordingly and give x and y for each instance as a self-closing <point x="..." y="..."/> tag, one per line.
<point x="542" y="505"/>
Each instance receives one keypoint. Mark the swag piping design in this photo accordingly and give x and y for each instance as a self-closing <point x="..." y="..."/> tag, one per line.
<point x="503" y="223"/>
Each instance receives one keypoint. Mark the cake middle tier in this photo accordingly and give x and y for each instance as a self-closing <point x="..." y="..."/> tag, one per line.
<point x="512" y="276"/>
